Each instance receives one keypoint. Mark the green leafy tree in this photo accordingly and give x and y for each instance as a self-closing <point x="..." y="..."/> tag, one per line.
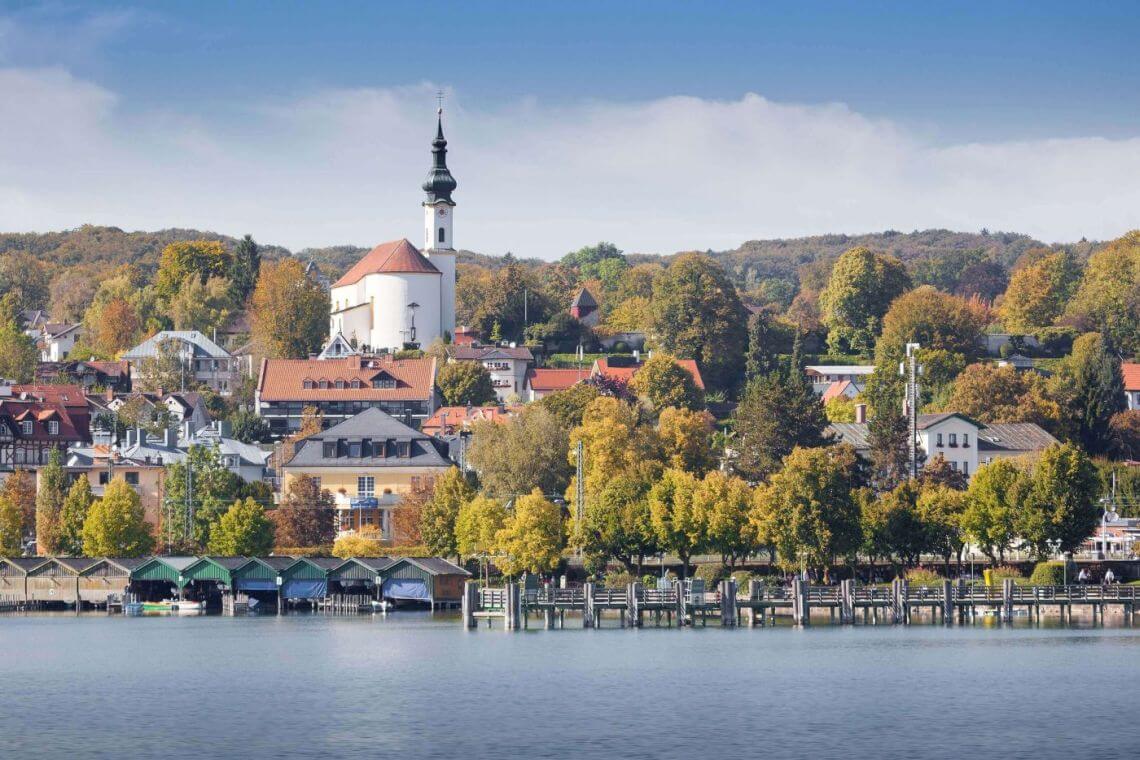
<point x="520" y="454"/>
<point x="73" y="515"/>
<point x="289" y="311"/>
<point x="777" y="413"/>
<point x="1061" y="503"/>
<point x="181" y="261"/>
<point x="993" y="501"/>
<point x="893" y="527"/>
<point x="616" y="524"/>
<point x="1108" y="297"/>
<point x="305" y="518"/>
<point x="437" y="519"/>
<point x="49" y="504"/>
<point x="860" y="290"/>
<point x="166" y="369"/>
<point x="1090" y="389"/>
<point x="25" y="279"/>
<point x="724" y="505"/>
<point x="674" y="516"/>
<point x="1038" y="292"/>
<point x="761" y="358"/>
<point x="247" y="427"/>
<point x="570" y="404"/>
<point x="465" y="383"/>
<point x="532" y="537"/>
<point x="808" y="510"/>
<point x="243" y="530"/>
<point x="18" y="354"/>
<point x="213" y="488"/>
<point x="115" y="525"/>
<point x="11" y="528"/>
<point x="697" y="314"/>
<point x="888" y="434"/>
<point x="477" y="526"/>
<point x="244" y="268"/>
<point x="941" y="509"/>
<point x="662" y="382"/>
<point x="202" y="306"/>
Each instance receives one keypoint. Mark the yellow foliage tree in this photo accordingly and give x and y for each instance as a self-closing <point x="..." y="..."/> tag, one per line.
<point x="531" y="540"/>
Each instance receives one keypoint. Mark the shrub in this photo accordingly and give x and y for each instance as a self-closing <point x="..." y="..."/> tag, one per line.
<point x="711" y="574"/>
<point x="1051" y="574"/>
<point x="921" y="576"/>
<point x="742" y="577"/>
<point x="357" y="546"/>
<point x="619" y="579"/>
<point x="649" y="580"/>
<point x="995" y="575"/>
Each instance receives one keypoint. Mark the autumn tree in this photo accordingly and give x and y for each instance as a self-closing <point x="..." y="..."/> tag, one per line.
<point x="1038" y="292"/>
<point x="662" y="382"/>
<point x="49" y="504"/>
<point x="616" y="524"/>
<point x="862" y="286"/>
<point x="521" y="453"/>
<point x="1108" y="297"/>
<point x="723" y="504"/>
<point x="698" y="315"/>
<point x="1124" y="434"/>
<point x="305" y="518"/>
<point x="116" y="525"/>
<point x="614" y="441"/>
<point x="1061" y="503"/>
<point x="570" y="404"/>
<point x="408" y="516"/>
<point x="992" y="394"/>
<point x="993" y="500"/>
<point x="437" y="519"/>
<point x="892" y="526"/>
<point x="531" y="538"/>
<point x="808" y="511"/>
<point x="183" y="260"/>
<point x="112" y="328"/>
<point x="243" y="530"/>
<point x="686" y="439"/>
<point x="465" y="384"/>
<point x="289" y="311"/>
<point x="73" y="515"/>
<point x="202" y="306"/>
<point x="24" y="279"/>
<point x="477" y="526"/>
<point x="11" y="528"/>
<point x="674" y="516"/>
<point x="166" y="368"/>
<point x="20" y="488"/>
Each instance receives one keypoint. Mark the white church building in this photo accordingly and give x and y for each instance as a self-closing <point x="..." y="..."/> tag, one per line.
<point x="397" y="296"/>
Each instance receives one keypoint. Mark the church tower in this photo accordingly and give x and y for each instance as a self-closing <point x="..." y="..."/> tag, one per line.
<point x="439" y="245"/>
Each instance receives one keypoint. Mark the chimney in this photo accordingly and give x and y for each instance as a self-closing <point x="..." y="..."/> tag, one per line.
<point x="636" y="355"/>
<point x="131" y="436"/>
<point x="861" y="413"/>
<point x="170" y="437"/>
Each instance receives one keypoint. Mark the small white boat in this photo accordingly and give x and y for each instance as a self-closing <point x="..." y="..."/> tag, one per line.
<point x="381" y="605"/>
<point x="174" y="606"/>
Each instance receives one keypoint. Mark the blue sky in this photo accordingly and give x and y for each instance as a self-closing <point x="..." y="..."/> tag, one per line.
<point x="325" y="109"/>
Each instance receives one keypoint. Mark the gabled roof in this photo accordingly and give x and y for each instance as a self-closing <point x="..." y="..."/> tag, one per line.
<point x="432" y="565"/>
<point x="374" y="424"/>
<point x="625" y="372"/>
<point x="202" y="345"/>
<point x="546" y="380"/>
<point x="930" y="420"/>
<point x="483" y="353"/>
<point x="841" y="388"/>
<point x="1021" y="437"/>
<point x="396" y="256"/>
<point x="284" y="379"/>
<point x="1131" y="372"/>
<point x="584" y="298"/>
<point x="25" y="564"/>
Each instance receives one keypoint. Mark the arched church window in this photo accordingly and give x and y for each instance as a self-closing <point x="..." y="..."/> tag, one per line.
<point x="442" y="235"/>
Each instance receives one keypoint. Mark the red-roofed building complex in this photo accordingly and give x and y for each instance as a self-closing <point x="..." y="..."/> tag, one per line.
<point x="619" y="368"/>
<point x="450" y="420"/>
<point x="341" y="388"/>
<point x="35" y="419"/>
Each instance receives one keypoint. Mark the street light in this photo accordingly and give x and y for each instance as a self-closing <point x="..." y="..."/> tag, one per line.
<point x="1055" y="549"/>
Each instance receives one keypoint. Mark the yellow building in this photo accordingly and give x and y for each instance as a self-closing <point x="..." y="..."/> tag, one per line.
<point x="368" y="462"/>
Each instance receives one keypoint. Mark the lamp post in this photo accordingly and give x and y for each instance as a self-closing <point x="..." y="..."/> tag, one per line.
<point x="1055" y="549"/>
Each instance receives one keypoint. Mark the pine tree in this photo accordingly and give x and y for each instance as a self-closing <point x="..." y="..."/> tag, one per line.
<point x="761" y="359"/>
<point x="245" y="267"/>
<point x="72" y="516"/>
<point x="49" y="504"/>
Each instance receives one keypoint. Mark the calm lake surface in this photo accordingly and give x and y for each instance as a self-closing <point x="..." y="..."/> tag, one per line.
<point x="419" y="687"/>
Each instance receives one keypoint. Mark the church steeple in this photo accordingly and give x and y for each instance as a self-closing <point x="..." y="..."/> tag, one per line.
<point x="439" y="183"/>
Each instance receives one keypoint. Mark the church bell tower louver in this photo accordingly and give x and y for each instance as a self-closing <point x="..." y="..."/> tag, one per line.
<point x="439" y="245"/>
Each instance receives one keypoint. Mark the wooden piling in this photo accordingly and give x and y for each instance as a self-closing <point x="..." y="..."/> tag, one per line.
<point x="947" y="602"/>
<point x="588" y="605"/>
<point x="470" y="603"/>
<point x="1007" y="600"/>
<point x="728" y="603"/>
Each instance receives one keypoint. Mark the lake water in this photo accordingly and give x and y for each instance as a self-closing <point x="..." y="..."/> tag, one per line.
<point x="416" y="687"/>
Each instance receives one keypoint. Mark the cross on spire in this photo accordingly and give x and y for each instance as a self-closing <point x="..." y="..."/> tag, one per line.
<point x="439" y="99"/>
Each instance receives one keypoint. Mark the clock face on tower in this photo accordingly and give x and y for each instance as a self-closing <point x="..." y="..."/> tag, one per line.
<point x="442" y="211"/>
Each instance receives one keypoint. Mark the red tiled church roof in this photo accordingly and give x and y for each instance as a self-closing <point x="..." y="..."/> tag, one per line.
<point x="395" y="256"/>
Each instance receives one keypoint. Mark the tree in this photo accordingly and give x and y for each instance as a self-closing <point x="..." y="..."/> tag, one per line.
<point x="1108" y="297"/>
<point x="11" y="528"/>
<point x="243" y="530"/>
<point x="935" y="320"/>
<point x="614" y="442"/>
<point x="407" y="517"/>
<point x="437" y="519"/>
<point x="213" y="488"/>
<point x="723" y="504"/>
<point x="202" y="306"/>
<point x="938" y="473"/>
<point x="1090" y="388"/>
<point x="25" y="279"/>
<point x="940" y="509"/>
<point x="115" y="525"/>
<point x="18" y="354"/>
<point x="247" y="427"/>
<point x="698" y="315"/>
<point x="616" y="523"/>
<point x="477" y="526"/>
<point x="761" y="357"/>
<point x="662" y="382"/>
<point x="777" y="413"/>
<point x="893" y="527"/>
<point x="111" y="328"/>
<point x="465" y="384"/>
<point x="993" y="394"/>
<point x="20" y="488"/>
<point x="674" y="516"/>
<point x="245" y="265"/>
<point x="305" y="519"/>
<point x="183" y="260"/>
<point x="73" y="515"/>
<point x="840" y="409"/>
<point x="1124" y="434"/>
<point x="166" y="369"/>
<point x="357" y="546"/>
<point x="531" y="538"/>
<point x="888" y="434"/>
<point x="1038" y="292"/>
<point x="808" y="510"/>
<point x="520" y="454"/>
<point x="289" y="311"/>
<point x="570" y="404"/>
<point x="993" y="501"/>
<point x="72" y="291"/>
<point x="686" y="439"/>
<point x="860" y="290"/>
<point x="634" y="314"/>
<point x="1061" y="502"/>
<point x="49" y="504"/>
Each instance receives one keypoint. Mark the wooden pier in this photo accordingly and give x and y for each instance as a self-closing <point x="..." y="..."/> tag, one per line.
<point x="688" y="603"/>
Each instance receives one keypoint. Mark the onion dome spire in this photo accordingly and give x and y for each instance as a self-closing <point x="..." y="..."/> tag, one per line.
<point x="439" y="183"/>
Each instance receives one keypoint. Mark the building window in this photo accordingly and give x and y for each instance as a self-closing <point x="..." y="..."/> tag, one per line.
<point x="405" y="448"/>
<point x="340" y="385"/>
<point x="354" y="449"/>
<point x="26" y="427"/>
<point x="132" y="478"/>
<point x="355" y="382"/>
<point x="939" y="443"/>
<point x="53" y="427"/>
<point x="954" y="440"/>
<point x="386" y="382"/>
<point x="323" y="385"/>
<point x="954" y="466"/>
<point x="442" y="235"/>
<point x="104" y="478"/>
<point x="965" y="440"/>
<point x="366" y="485"/>
<point x="367" y="517"/>
<point x="307" y="384"/>
<point x="966" y="468"/>
<point x="328" y="449"/>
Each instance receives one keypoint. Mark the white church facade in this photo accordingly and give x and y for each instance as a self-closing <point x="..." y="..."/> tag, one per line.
<point x="398" y="296"/>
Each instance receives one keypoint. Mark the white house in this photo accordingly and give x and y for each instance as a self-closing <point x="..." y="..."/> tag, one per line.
<point x="203" y="361"/>
<point x="396" y="295"/>
<point x="507" y="366"/>
<point x="57" y="340"/>
<point x="823" y="375"/>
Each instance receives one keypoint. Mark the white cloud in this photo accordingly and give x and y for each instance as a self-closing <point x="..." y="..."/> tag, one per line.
<point x="344" y="166"/>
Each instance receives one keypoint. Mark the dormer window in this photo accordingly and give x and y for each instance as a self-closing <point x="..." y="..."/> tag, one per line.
<point x="340" y="385"/>
<point x="356" y="382"/>
<point x="405" y="448"/>
<point x="307" y="384"/>
<point x="324" y="384"/>
<point x="53" y="427"/>
<point x="354" y="449"/>
<point x="384" y="381"/>
<point x="26" y="427"/>
<point x="328" y="449"/>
